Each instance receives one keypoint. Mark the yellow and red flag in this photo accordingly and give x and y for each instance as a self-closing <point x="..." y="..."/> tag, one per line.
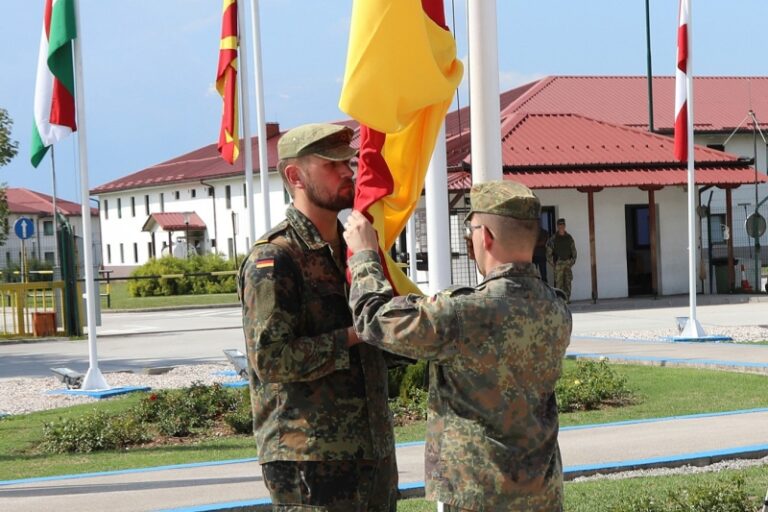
<point x="400" y="77"/>
<point x="226" y="83"/>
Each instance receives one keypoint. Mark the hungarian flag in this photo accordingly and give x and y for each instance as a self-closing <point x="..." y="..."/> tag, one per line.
<point x="226" y="83"/>
<point x="54" y="109"/>
<point x="681" y="78"/>
<point x="400" y="77"/>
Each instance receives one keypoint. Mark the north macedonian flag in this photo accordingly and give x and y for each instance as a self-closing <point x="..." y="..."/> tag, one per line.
<point x="226" y="83"/>
<point x="400" y="77"/>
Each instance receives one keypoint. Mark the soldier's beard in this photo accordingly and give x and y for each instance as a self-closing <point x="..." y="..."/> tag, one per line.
<point x="343" y="198"/>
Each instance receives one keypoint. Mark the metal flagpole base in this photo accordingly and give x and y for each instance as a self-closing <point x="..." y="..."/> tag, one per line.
<point x="693" y="329"/>
<point x="94" y="380"/>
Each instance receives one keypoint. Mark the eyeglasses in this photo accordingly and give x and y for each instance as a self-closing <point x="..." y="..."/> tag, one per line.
<point x="469" y="228"/>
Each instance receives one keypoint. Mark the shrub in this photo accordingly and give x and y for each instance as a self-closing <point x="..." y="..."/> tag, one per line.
<point x="94" y="431"/>
<point x="187" y="285"/>
<point x="402" y="378"/>
<point x="178" y="412"/>
<point x="409" y="407"/>
<point x="721" y="496"/>
<point x="240" y="418"/>
<point x="591" y="385"/>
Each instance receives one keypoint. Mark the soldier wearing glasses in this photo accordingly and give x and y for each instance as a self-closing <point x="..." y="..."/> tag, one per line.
<point x="495" y="354"/>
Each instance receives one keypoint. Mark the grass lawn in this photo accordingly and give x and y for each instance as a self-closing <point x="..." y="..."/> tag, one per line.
<point x="602" y="495"/>
<point x="664" y="392"/>
<point x="121" y="299"/>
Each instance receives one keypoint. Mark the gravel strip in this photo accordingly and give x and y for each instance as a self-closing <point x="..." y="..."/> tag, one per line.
<point x="22" y="395"/>
<point x="740" y="334"/>
<point x="682" y="470"/>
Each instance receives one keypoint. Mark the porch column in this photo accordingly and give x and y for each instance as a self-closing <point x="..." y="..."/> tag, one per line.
<point x="590" y="191"/>
<point x="653" y="236"/>
<point x="729" y="242"/>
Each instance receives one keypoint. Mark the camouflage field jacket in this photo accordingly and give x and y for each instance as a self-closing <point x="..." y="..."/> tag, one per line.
<point x="496" y="352"/>
<point x="313" y="398"/>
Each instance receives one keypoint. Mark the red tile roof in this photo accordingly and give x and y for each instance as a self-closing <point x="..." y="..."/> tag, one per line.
<point x="572" y="151"/>
<point x="201" y="164"/>
<point x="606" y="178"/>
<point x="174" y="221"/>
<point x="720" y="103"/>
<point x="22" y="200"/>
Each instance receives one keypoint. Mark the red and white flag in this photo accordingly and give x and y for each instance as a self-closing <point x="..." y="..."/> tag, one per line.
<point x="681" y="79"/>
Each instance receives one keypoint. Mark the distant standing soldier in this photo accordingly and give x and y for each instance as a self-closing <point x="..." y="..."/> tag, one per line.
<point x="561" y="254"/>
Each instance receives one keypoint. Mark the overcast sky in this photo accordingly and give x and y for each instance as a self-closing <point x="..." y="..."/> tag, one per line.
<point x="149" y="65"/>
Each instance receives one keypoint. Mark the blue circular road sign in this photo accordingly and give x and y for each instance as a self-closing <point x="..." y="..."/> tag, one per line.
<point x="24" y="227"/>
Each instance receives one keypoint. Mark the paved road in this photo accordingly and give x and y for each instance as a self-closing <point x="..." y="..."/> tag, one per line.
<point x="137" y="340"/>
<point x="694" y="439"/>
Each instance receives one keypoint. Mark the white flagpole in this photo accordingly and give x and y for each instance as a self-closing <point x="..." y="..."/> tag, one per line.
<point x="244" y="112"/>
<point x="436" y="195"/>
<point x="260" y="116"/>
<point x="692" y="328"/>
<point x="485" y="117"/>
<point x="93" y="378"/>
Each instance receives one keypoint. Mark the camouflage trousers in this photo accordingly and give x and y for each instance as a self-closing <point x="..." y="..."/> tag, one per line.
<point x="454" y="508"/>
<point x="563" y="278"/>
<point x="331" y="486"/>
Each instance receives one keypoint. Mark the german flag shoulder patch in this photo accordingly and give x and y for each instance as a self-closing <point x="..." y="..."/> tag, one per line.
<point x="265" y="263"/>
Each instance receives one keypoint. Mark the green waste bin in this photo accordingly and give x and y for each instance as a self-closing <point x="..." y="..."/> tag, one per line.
<point x="721" y="274"/>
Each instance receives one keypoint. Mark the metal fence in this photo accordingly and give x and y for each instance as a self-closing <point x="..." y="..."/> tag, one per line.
<point x="714" y="252"/>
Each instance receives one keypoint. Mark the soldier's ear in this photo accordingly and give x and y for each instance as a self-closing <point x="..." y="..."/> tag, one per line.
<point x="294" y="175"/>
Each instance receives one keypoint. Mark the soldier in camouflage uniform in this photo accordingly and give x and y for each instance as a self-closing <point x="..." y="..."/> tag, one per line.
<point x="495" y="354"/>
<point x="322" y="424"/>
<point x="561" y="254"/>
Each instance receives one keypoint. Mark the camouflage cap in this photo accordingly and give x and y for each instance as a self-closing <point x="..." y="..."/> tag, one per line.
<point x="506" y="198"/>
<point x="329" y="141"/>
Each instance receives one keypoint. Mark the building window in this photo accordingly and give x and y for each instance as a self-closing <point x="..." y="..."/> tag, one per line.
<point x="193" y="192"/>
<point x="49" y="257"/>
<point x="162" y="201"/>
<point x="122" y="254"/>
<point x="245" y="196"/>
<point x="210" y="191"/>
<point x="135" y="252"/>
<point x="48" y="227"/>
<point x="133" y="206"/>
<point x="286" y="196"/>
<point x="106" y="209"/>
<point x="109" y="254"/>
<point x="149" y="250"/>
<point x="177" y="194"/>
<point x="230" y="247"/>
<point x="7" y="259"/>
<point x="228" y="196"/>
<point x="119" y="208"/>
<point x="146" y="205"/>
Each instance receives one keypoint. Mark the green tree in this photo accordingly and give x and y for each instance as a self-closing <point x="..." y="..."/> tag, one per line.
<point x="8" y="146"/>
<point x="8" y="150"/>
